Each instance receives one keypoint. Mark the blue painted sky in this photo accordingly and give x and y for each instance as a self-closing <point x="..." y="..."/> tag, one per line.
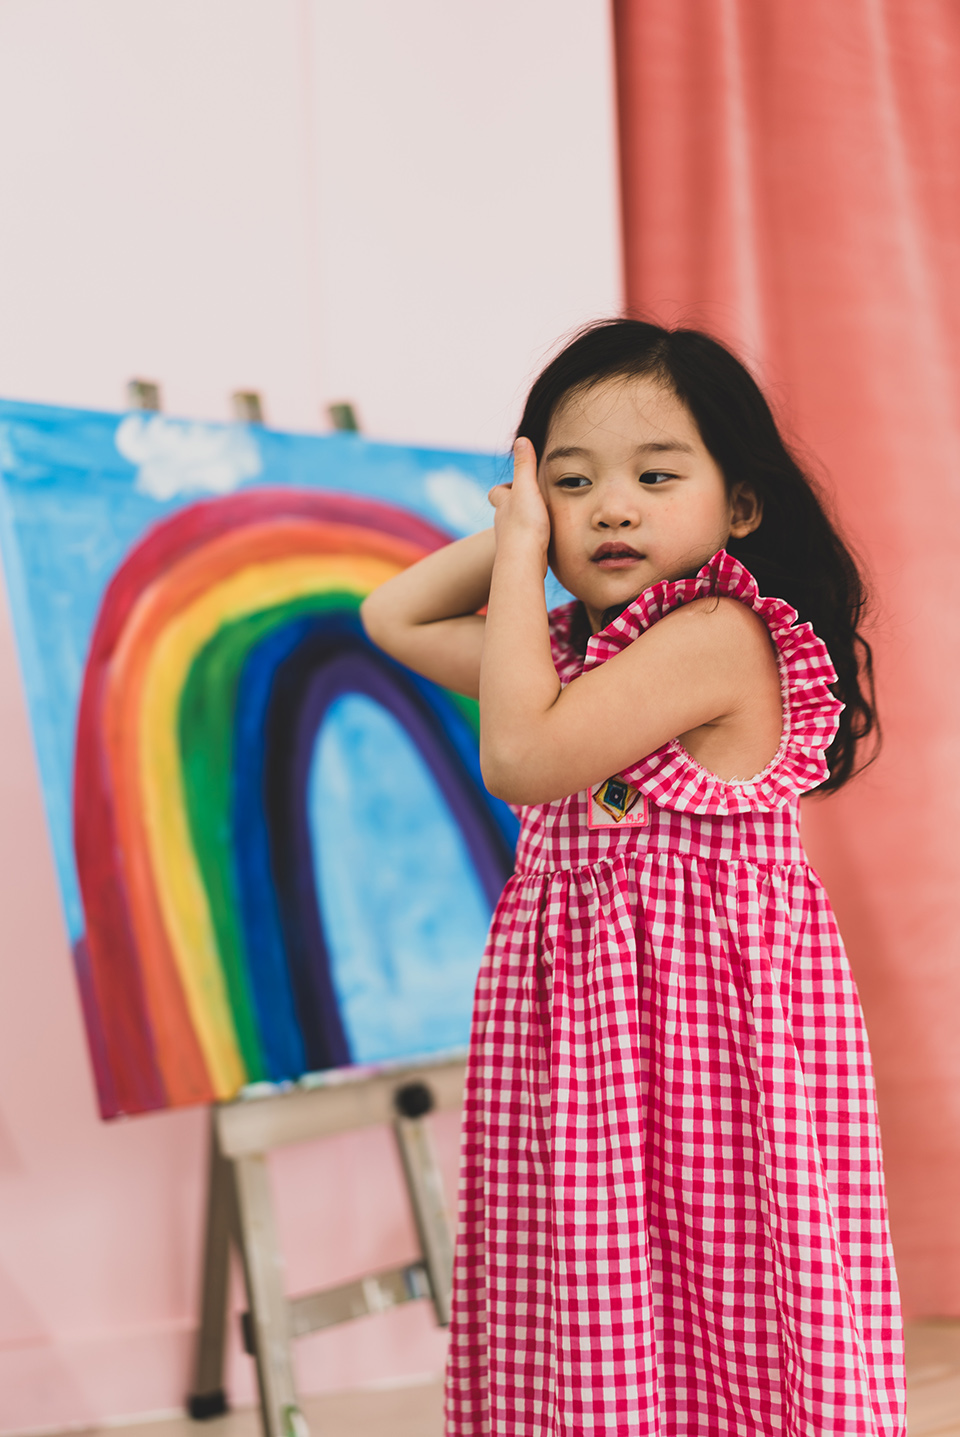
<point x="404" y="916"/>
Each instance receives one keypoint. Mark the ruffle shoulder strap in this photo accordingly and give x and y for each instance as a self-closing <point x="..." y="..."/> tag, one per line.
<point x="670" y="777"/>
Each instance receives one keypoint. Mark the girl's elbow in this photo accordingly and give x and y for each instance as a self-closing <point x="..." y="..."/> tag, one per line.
<point x="498" y="772"/>
<point x="368" y="616"/>
<point x="374" y="618"/>
<point x="511" y="777"/>
<point x="498" y="784"/>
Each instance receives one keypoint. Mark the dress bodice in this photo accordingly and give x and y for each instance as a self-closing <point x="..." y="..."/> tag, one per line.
<point x="674" y="802"/>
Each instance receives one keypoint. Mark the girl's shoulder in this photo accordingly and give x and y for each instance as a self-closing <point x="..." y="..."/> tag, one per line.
<point x="670" y="777"/>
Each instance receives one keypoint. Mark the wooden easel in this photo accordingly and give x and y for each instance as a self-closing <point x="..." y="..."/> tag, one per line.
<point x="239" y="1208"/>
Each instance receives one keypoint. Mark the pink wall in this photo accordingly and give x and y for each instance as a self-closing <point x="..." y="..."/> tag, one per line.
<point x="403" y="205"/>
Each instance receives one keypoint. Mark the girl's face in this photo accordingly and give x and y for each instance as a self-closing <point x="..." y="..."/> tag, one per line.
<point x="633" y="494"/>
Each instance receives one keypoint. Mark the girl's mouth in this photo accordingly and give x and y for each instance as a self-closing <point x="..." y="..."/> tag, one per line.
<point x="615" y="556"/>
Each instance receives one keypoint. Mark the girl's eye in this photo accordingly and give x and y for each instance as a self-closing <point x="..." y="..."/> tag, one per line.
<point x="655" y="476"/>
<point x="573" y="481"/>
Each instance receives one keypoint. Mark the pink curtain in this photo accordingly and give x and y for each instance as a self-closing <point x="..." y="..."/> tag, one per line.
<point x="791" y="181"/>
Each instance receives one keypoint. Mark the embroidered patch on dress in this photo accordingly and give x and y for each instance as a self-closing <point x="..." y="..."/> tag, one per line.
<point x="615" y="804"/>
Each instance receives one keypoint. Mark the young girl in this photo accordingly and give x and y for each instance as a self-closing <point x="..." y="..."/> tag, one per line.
<point x="672" y="1210"/>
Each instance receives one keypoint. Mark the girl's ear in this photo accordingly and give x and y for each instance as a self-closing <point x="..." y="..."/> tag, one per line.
<point x="746" y="511"/>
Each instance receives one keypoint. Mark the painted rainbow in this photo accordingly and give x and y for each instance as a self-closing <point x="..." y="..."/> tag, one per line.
<point x="223" y="644"/>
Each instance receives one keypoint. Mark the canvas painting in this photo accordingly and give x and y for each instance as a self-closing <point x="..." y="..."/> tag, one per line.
<point x="274" y="846"/>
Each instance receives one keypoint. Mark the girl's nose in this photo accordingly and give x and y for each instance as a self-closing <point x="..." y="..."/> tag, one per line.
<point x="617" y="507"/>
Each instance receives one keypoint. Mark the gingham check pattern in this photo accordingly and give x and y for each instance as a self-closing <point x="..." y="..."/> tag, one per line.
<point x="672" y="1212"/>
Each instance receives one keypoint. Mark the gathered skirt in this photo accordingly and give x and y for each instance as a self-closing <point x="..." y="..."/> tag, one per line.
<point x="672" y="1218"/>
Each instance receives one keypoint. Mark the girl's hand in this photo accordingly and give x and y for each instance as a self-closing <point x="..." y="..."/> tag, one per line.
<point x="520" y="507"/>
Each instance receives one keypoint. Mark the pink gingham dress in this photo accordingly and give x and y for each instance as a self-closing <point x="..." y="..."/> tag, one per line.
<point x="672" y="1210"/>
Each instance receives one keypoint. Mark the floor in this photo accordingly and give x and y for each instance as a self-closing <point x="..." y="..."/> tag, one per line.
<point x="933" y="1381"/>
<point x="392" y="1412"/>
<point x="933" y="1378"/>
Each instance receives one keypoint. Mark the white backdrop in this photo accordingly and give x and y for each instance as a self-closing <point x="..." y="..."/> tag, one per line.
<point x="403" y="205"/>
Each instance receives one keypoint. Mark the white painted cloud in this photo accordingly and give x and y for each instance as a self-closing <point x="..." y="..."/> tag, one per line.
<point x="174" y="456"/>
<point x="460" y="501"/>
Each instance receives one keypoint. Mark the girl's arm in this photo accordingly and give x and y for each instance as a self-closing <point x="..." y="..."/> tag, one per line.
<point x="426" y="617"/>
<point x="705" y="669"/>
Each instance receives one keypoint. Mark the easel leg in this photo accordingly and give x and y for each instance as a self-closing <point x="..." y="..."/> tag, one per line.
<point x="208" y="1398"/>
<point x="425" y="1186"/>
<point x="263" y="1270"/>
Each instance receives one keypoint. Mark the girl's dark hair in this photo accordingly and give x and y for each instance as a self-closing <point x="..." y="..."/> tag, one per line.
<point x="796" y="553"/>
